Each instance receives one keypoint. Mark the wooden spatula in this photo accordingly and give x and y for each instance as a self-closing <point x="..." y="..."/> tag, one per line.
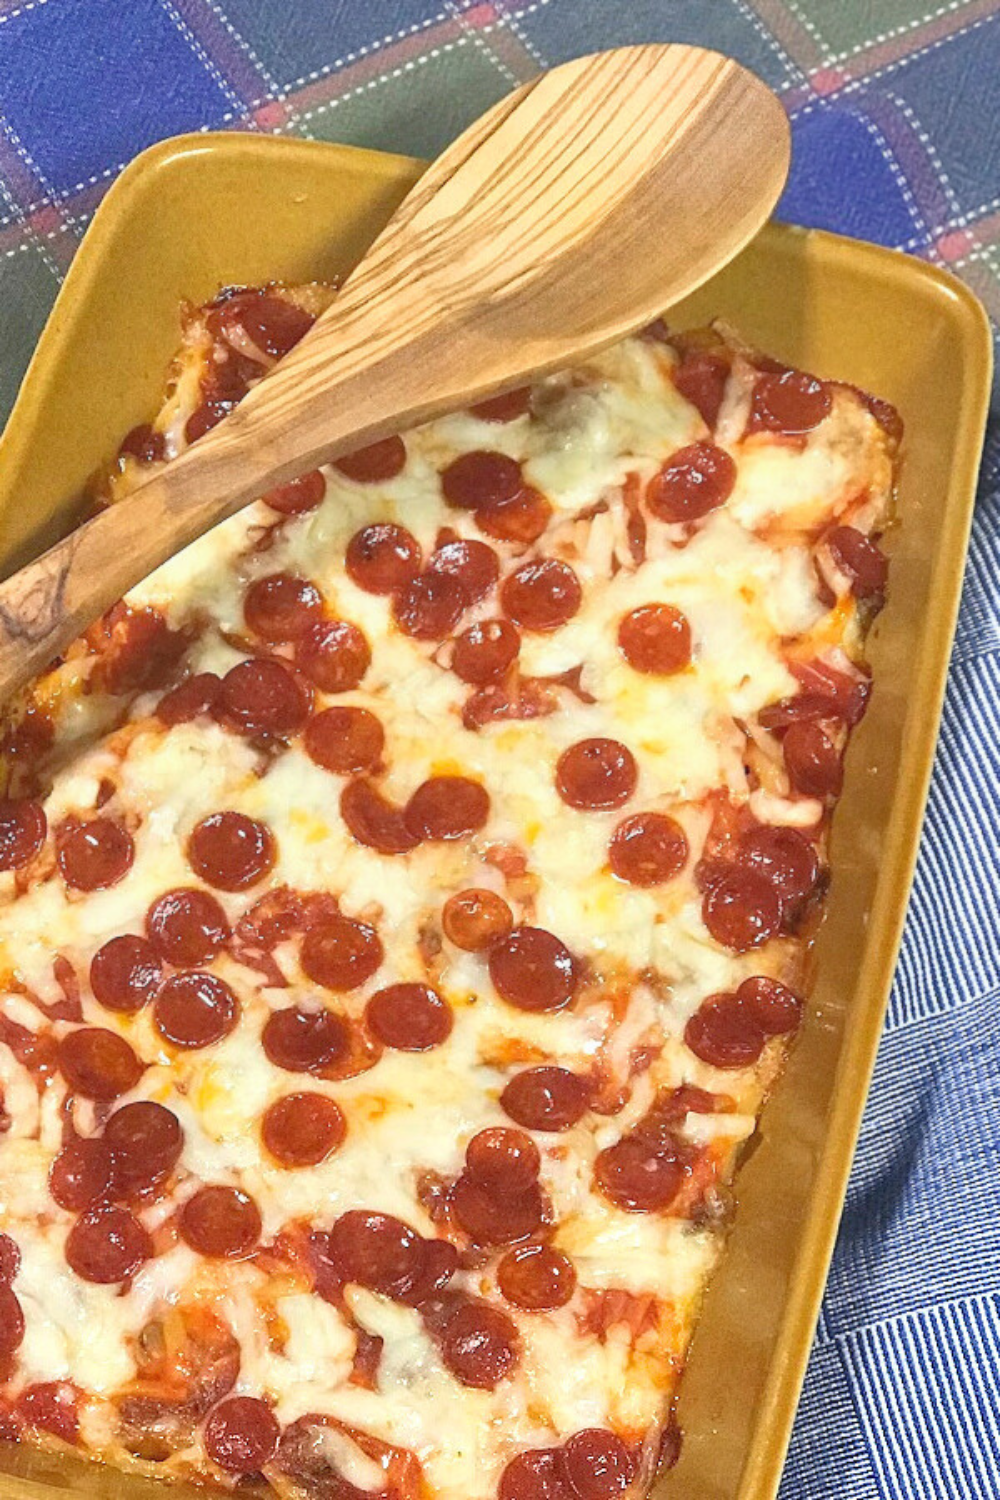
<point x="571" y="213"/>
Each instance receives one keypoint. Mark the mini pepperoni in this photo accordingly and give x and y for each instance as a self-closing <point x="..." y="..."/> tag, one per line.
<point x="144" y="443"/>
<point x="125" y="973"/>
<point x="791" y="402"/>
<point x="187" y="926"/>
<point x="639" y="1175"/>
<point x="783" y="856"/>
<point x="146" y="1139"/>
<point x="725" y="1033"/>
<point x="382" y="557"/>
<point x="447" y="807"/>
<point x="10" y="1259"/>
<point x="597" y="1464"/>
<point x="409" y="1017"/>
<point x="596" y="774"/>
<point x="280" y="606"/>
<point x="298" y="495"/>
<point x="301" y="1130"/>
<point x="480" y="478"/>
<point x="812" y="761"/>
<point x="534" y="1475"/>
<point x="537" y="1278"/>
<point x="472" y="564"/>
<point x="494" y="1216"/>
<point x="231" y="851"/>
<point x="648" y="849"/>
<point x="480" y="1345"/>
<point x="546" y="1098"/>
<point x="775" y="1008"/>
<point x="98" y="1064"/>
<point x="262" y="697"/>
<point x="273" y="323"/>
<point x="475" y="919"/>
<point x="195" y="1010"/>
<point x="698" y="479"/>
<point x="23" y="827"/>
<point x="377" y="1251"/>
<point x="373" y="821"/>
<point x="11" y="1322"/>
<point x="375" y="464"/>
<point x="107" y="1244"/>
<point x="305" y="1042"/>
<point x="501" y="1159"/>
<point x="190" y="699"/>
<point x="521" y="518"/>
<point x="345" y="740"/>
<point x="505" y="408"/>
<point x="241" y="1435"/>
<point x="341" y="954"/>
<point x="82" y="1174"/>
<point x="864" y="562"/>
<point x="95" y="855"/>
<point x="655" y="639"/>
<point x="701" y="379"/>
<point x="333" y="654"/>
<point x="51" y="1406"/>
<point x="533" y="970"/>
<point x="541" y="595"/>
<point x="429" y="607"/>
<point x="485" y="651"/>
<point x="742" y="910"/>
<point x="221" y="1222"/>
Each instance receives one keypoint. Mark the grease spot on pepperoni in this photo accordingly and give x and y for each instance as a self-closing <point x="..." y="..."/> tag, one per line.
<point x="531" y="969"/>
<point x="479" y="1344"/>
<point x="490" y="1216"/>
<point x="480" y="478"/>
<point x="505" y="408"/>
<point x="187" y="926"/>
<point x="701" y="379"/>
<point x="537" y="1278"/>
<point x="125" y="973"/>
<point x="546" y="1098"/>
<point x="23" y="827"/>
<point x="784" y="856"/>
<point x="639" y="1175"/>
<point x="502" y="1160"/>
<point x="428" y="607"/>
<point x="98" y="1064"/>
<point x="597" y="1464"/>
<point x="864" y="562"/>
<point x="10" y="1259"/>
<point x="305" y="1042"/>
<point x="221" y="1222"/>
<point x="522" y="518"/>
<point x="298" y="495"/>
<point x="377" y="1251"/>
<point x="791" y="402"/>
<point x="373" y="821"/>
<point x="655" y="639"/>
<point x="190" y="699"/>
<point x="146" y="1140"/>
<point x="812" y="760"/>
<point x="376" y="463"/>
<point x="301" y="1130"/>
<point x="341" y="954"/>
<point x="333" y="654"/>
<point x="534" y="1475"/>
<point x="11" y="1323"/>
<point x="742" y="910"/>
<point x="261" y="696"/>
<point x="382" y="557"/>
<point x="409" y="1017"/>
<point x="485" y="651"/>
<point x="775" y="1008"/>
<point x="345" y="740"/>
<point x="107" y="1244"/>
<point x="279" y="606"/>
<point x="696" y="480"/>
<point x="230" y="851"/>
<point x="596" y="774"/>
<point x="473" y="564"/>
<point x="93" y="856"/>
<point x="82" y="1174"/>
<point x="474" y="919"/>
<point x="241" y="1435"/>
<point x="648" y="849"/>
<point x="195" y="1010"/>
<point x="724" y="1032"/>
<point x="447" y="807"/>
<point x="541" y="595"/>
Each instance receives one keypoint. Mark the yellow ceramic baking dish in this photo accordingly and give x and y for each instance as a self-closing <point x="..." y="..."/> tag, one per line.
<point x="202" y="211"/>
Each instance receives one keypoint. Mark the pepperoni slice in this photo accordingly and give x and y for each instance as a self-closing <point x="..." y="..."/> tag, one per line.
<point x="472" y="564"/>
<point x="812" y="761"/>
<point x="345" y="740"/>
<point x="190" y="699"/>
<point x="597" y="1464"/>
<point x="698" y="479"/>
<point x="505" y="408"/>
<point x="596" y="774"/>
<point x="98" y="1064"/>
<point x="298" y="495"/>
<point x="701" y="379"/>
<point x="231" y="851"/>
<point x="775" y="1008"/>
<point x="301" y="1130"/>
<point x="655" y="639"/>
<point x="195" y="1010"/>
<point x="107" y="1244"/>
<point x="333" y="654"/>
<point x="522" y="518"/>
<point x="146" y="1139"/>
<point x="262" y="697"/>
<point x="23" y="827"/>
<point x="380" y="558"/>
<point x="82" y="1174"/>
<point x="479" y="1345"/>
<point x="221" y="1222"/>
<point x="10" y="1259"/>
<point x="742" y="910"/>
<point x="480" y="478"/>
<point x="783" y="856"/>
<point x="273" y="323"/>
<point x="485" y="651"/>
<point x="305" y="1042"/>
<point x="373" y="821"/>
<point x="537" y="1278"/>
<point x="864" y="562"/>
<point x="429" y="607"/>
<point x="534" y="1475"/>
<point x="409" y="1017"/>
<point x="95" y="855"/>
<point x="144" y="443"/>
<point x="280" y="606"/>
<point x="51" y="1406"/>
<point x="187" y="926"/>
<point x="447" y="807"/>
<point x="492" y="1216"/>
<point x="541" y="595"/>
<point x="375" y="464"/>
<point x="546" y="1098"/>
<point x="475" y="919"/>
<point x="241" y="1435"/>
<point x="502" y="1160"/>
<point x="125" y="973"/>
<point x="791" y="402"/>
<point x="639" y="1175"/>
<point x="11" y="1323"/>
<point x="724" y="1032"/>
<point x="533" y="970"/>
<point x="341" y="954"/>
<point x="377" y="1251"/>
<point x="648" y="849"/>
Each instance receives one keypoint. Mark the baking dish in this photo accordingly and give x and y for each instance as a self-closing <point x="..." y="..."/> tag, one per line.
<point x="203" y="211"/>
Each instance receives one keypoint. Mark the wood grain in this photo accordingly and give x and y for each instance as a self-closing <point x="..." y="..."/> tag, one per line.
<point x="571" y="213"/>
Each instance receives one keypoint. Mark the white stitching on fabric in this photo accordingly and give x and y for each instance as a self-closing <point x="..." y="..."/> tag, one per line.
<point x="512" y="23"/>
<point x="369" y="86"/>
<point x="854" y="84"/>
<point x="188" y="35"/>
<point x="352" y="57"/>
<point x="21" y="10"/>
<point x="275" y="92"/>
<point x="887" y="36"/>
<point x="808" y="25"/>
<point x="772" y="43"/>
<point x="33" y="168"/>
<point x="928" y="145"/>
<point x="476" y="36"/>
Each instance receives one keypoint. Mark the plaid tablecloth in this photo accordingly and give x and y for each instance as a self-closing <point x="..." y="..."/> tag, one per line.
<point x="895" y="108"/>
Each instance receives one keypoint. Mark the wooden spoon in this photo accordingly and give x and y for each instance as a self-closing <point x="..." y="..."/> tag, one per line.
<point x="573" y="212"/>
